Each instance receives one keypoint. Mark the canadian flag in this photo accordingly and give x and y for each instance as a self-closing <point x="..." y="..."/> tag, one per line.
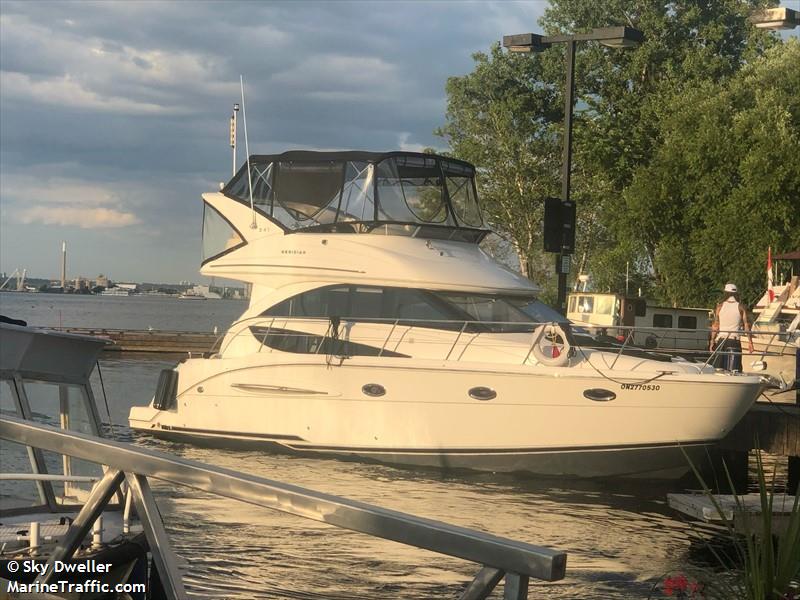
<point x="770" y="291"/>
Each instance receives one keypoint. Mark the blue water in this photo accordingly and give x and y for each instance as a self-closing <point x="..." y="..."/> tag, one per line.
<point x="620" y="537"/>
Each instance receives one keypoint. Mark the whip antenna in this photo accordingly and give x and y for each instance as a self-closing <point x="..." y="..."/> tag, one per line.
<point x="247" y="151"/>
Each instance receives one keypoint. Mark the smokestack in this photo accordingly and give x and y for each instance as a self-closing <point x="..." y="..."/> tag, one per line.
<point x="63" y="265"/>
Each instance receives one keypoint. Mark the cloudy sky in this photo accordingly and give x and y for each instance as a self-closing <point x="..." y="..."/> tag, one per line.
<point x="114" y="115"/>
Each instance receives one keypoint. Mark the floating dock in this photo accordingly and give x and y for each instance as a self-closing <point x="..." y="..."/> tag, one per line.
<point x="157" y="341"/>
<point x="743" y="512"/>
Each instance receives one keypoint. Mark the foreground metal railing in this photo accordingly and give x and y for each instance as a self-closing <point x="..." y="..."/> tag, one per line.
<point x="500" y="558"/>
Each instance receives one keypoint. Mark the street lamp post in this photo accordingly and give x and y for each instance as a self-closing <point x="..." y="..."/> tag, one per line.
<point x="614" y="37"/>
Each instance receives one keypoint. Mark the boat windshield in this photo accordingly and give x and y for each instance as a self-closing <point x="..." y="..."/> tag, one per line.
<point x="417" y="307"/>
<point x="363" y="192"/>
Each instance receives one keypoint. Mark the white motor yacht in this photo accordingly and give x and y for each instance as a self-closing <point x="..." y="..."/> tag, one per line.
<point x="776" y="329"/>
<point x="378" y="329"/>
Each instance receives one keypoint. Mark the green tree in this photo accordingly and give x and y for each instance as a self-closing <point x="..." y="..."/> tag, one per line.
<point x="724" y="181"/>
<point x="622" y="97"/>
<point x="501" y="118"/>
<point x="623" y="94"/>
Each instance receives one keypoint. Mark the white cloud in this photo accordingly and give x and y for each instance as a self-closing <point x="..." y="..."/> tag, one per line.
<point x="66" y="92"/>
<point x="85" y="218"/>
<point x="330" y="73"/>
<point x="63" y="201"/>
<point x="57" y="66"/>
<point x="404" y="144"/>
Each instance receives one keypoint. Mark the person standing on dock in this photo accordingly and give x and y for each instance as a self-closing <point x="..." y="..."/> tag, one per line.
<point x="730" y="318"/>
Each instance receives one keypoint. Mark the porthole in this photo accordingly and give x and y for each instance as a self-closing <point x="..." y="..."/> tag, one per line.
<point x="373" y="389"/>
<point x="482" y="393"/>
<point x="599" y="395"/>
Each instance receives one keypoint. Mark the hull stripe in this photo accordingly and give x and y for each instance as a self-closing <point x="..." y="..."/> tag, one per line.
<point x="280" y="437"/>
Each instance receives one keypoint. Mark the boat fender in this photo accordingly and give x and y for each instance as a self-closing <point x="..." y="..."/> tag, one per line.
<point x="166" y="390"/>
<point x="549" y="331"/>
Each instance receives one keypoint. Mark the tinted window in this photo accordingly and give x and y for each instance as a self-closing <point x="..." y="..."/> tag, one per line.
<point x="365" y="302"/>
<point x="662" y="320"/>
<point x="446" y="310"/>
<point x="219" y="236"/>
<point x="298" y="342"/>
<point x="687" y="322"/>
<point x="538" y="311"/>
<point x="304" y="189"/>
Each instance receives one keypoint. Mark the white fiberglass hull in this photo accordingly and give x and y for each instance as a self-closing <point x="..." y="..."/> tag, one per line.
<point x="540" y="420"/>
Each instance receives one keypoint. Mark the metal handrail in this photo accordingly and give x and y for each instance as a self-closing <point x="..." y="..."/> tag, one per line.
<point x="500" y="557"/>
<point x="459" y="327"/>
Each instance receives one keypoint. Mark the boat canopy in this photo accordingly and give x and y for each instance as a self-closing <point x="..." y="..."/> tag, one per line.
<point x="363" y="192"/>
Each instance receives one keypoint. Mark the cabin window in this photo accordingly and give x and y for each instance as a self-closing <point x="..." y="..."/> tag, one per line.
<point x="440" y="310"/>
<point x="537" y="311"/>
<point x="662" y="320"/>
<point x="364" y="303"/>
<point x="67" y="407"/>
<point x="8" y="403"/>
<point x="410" y="188"/>
<point x="306" y="190"/>
<point x="219" y="236"/>
<point x="299" y="342"/>
<point x="585" y="304"/>
<point x="685" y="322"/>
<point x="14" y="458"/>
<point x="463" y="198"/>
<point x="358" y="202"/>
<point x="604" y="305"/>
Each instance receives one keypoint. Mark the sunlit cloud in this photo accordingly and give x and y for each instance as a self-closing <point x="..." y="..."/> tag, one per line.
<point x="66" y="92"/>
<point x="85" y="218"/>
<point x="65" y="202"/>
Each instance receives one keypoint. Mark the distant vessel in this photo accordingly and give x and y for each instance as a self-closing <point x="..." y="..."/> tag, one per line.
<point x="116" y="291"/>
<point x="651" y="326"/>
<point x="377" y="328"/>
<point x="200" y="292"/>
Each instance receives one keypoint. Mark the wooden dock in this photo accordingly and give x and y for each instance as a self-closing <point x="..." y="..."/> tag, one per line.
<point x="774" y="427"/>
<point x="157" y="341"/>
<point x="743" y="512"/>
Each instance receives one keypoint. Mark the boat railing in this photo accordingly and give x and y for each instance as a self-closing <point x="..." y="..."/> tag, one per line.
<point x="131" y="467"/>
<point x="690" y="344"/>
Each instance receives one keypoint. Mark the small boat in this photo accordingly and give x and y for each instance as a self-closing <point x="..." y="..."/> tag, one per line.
<point x="44" y="379"/>
<point x="116" y="291"/>
<point x="379" y="330"/>
<point x="650" y="325"/>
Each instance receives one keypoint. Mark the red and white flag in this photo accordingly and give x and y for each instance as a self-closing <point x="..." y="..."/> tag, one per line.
<point x="770" y="291"/>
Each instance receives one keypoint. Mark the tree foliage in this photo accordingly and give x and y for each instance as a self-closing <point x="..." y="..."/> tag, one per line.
<point x="675" y="142"/>
<point x="500" y="117"/>
<point x="724" y="181"/>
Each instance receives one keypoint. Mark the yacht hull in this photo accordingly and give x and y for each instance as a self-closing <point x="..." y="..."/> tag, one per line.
<point x="670" y="461"/>
<point x="541" y="422"/>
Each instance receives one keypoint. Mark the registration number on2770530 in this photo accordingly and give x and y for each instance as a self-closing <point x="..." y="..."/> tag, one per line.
<point x="643" y="387"/>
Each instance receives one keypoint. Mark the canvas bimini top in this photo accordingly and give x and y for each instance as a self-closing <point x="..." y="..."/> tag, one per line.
<point x="360" y="192"/>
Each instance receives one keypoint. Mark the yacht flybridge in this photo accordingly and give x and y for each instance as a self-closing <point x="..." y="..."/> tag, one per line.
<point x="378" y="329"/>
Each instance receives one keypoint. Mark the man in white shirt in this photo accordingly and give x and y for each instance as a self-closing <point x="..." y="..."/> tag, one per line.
<point x="730" y="317"/>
